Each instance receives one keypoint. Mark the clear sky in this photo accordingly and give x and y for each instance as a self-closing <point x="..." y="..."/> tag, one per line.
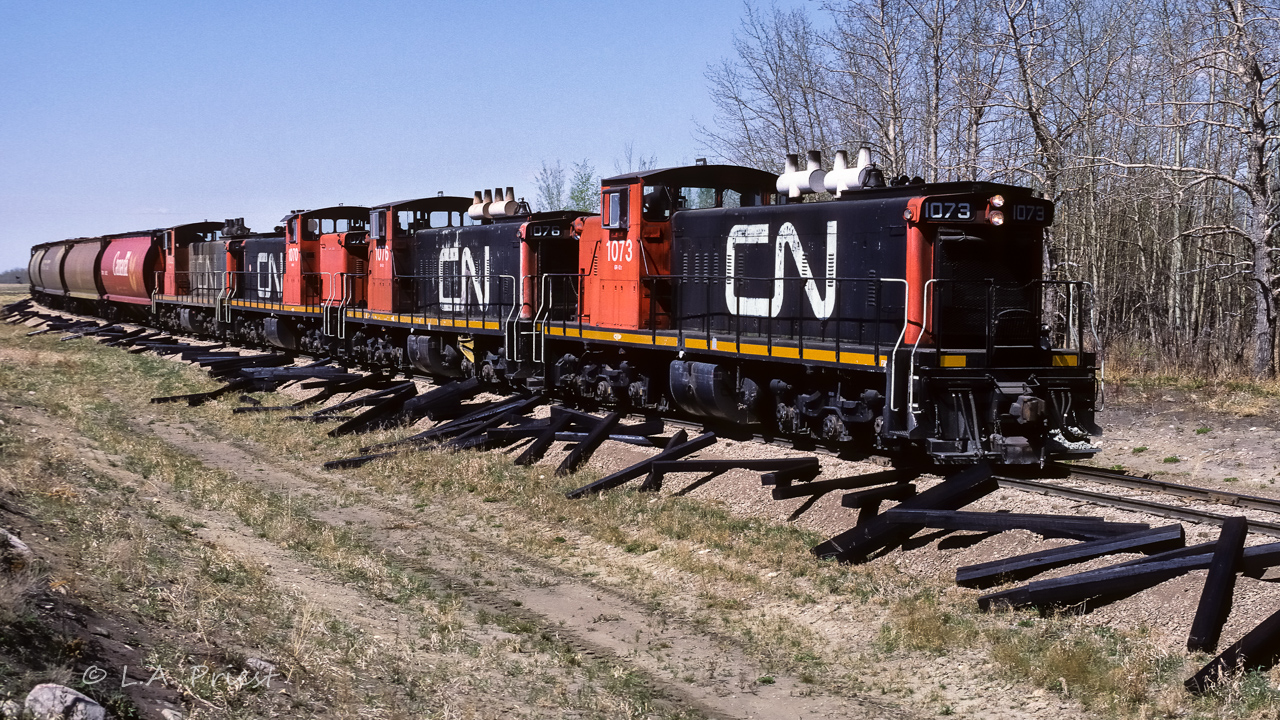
<point x="120" y="116"/>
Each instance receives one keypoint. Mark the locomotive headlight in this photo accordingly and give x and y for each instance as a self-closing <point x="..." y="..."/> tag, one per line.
<point x="906" y="214"/>
<point x="995" y="217"/>
<point x="997" y="201"/>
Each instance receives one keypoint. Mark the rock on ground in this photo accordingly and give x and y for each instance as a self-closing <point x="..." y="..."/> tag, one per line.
<point x="14" y="554"/>
<point x="62" y="703"/>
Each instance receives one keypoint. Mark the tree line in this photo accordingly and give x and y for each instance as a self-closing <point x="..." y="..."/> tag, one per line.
<point x="1153" y="124"/>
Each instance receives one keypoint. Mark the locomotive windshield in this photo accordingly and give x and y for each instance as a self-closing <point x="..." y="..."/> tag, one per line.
<point x="660" y="200"/>
<point x="411" y="221"/>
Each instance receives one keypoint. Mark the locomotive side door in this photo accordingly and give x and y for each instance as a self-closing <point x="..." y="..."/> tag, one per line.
<point x="611" y="261"/>
<point x="301" y="286"/>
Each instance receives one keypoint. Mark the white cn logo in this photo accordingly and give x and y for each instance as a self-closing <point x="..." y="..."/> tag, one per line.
<point x="270" y="279"/>
<point x="787" y="239"/>
<point x="457" y="264"/>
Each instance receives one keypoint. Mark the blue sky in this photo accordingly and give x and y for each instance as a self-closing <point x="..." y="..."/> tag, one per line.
<point x="128" y="115"/>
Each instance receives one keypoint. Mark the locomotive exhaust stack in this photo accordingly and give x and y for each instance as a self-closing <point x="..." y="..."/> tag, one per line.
<point x="503" y="206"/>
<point x="843" y="178"/>
<point x="476" y="211"/>
<point x="796" y="182"/>
<point x="494" y="204"/>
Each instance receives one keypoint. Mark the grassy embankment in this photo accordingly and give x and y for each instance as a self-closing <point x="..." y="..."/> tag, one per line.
<point x="98" y="392"/>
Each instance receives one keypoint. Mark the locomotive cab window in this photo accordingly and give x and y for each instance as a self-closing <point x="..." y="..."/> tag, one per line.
<point x="702" y="198"/>
<point x="408" y="221"/>
<point x="614" y="212"/>
<point x="657" y="203"/>
<point x="329" y="226"/>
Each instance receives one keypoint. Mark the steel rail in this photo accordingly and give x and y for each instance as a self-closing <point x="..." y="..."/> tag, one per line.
<point x="1222" y="497"/>
<point x="1135" y="505"/>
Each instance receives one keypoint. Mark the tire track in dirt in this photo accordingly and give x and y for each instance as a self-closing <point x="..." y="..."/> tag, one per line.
<point x="694" y="669"/>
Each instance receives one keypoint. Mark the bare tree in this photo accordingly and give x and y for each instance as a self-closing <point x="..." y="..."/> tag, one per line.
<point x="874" y="78"/>
<point x="771" y="99"/>
<point x="1231" y="99"/>
<point x="632" y="161"/>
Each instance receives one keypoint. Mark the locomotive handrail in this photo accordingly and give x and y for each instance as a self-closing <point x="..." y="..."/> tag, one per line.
<point x="932" y="330"/>
<point x="737" y="323"/>
<point x="911" y="364"/>
<point x="509" y="331"/>
<point x="1093" y="332"/>
<point x="546" y="304"/>
<point x="495" y="310"/>
<point x="935" y="327"/>
<point x="890" y="385"/>
<point x="200" y="290"/>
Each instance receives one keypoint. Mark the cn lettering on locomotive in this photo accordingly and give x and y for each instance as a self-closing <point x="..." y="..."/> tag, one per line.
<point x="786" y="239"/>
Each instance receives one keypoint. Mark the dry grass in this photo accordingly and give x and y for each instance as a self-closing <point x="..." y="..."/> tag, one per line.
<point x="624" y="534"/>
<point x="924" y="623"/>
<point x="1133" y="374"/>
<point x="136" y="558"/>
<point x="17" y="591"/>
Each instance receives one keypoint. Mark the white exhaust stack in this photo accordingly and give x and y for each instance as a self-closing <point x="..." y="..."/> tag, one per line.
<point x="503" y="207"/>
<point x="476" y="211"/>
<point x="843" y="178"/>
<point x="796" y="182"/>
<point x="488" y="202"/>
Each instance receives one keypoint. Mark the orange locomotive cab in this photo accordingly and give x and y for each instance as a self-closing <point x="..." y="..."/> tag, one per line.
<point x="624" y="255"/>
<point x="325" y="253"/>
<point x="391" y="228"/>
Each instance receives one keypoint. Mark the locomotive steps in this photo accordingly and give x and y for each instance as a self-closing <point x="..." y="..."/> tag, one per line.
<point x="882" y="627"/>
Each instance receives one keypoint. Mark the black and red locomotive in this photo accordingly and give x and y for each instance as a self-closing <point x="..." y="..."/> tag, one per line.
<point x="909" y="315"/>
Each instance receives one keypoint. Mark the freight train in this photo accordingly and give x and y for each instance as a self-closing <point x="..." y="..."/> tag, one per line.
<point x="837" y="308"/>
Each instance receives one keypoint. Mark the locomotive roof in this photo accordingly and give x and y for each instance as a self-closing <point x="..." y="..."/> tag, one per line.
<point x="722" y="176"/>
<point x="329" y="213"/>
<point x="450" y="202"/>
<point x="199" y="226"/>
<point x="954" y="187"/>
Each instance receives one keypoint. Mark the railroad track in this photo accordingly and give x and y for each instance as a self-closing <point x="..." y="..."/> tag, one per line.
<point x="939" y="506"/>
<point x="1034" y="485"/>
<point x="1143" y="506"/>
